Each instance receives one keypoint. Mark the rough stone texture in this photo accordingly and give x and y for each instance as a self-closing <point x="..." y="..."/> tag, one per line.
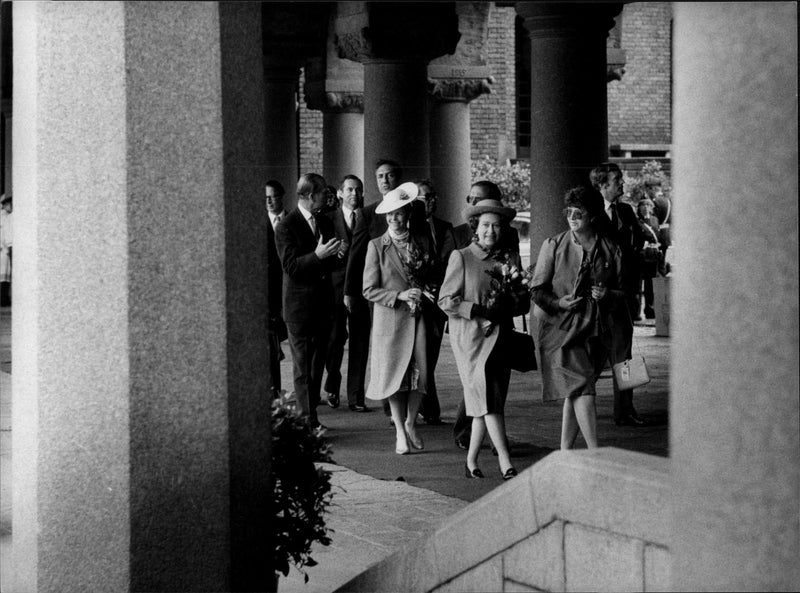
<point x="657" y="564"/>
<point x="538" y="561"/>
<point x="598" y="488"/>
<point x="734" y="434"/>
<point x="487" y="576"/>
<point x="493" y="523"/>
<point x="601" y="561"/>
<point x="639" y="105"/>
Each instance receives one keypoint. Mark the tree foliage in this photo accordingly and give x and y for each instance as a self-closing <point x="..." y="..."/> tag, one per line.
<point x="513" y="179"/>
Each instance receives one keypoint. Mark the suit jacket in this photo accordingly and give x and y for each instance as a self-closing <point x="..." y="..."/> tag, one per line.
<point x="274" y="286"/>
<point x="629" y="238"/>
<point x="343" y="233"/>
<point x="307" y="283"/>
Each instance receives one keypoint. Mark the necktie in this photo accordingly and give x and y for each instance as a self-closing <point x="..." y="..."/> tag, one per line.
<point x="433" y="234"/>
<point x="352" y="219"/>
<point x="277" y="219"/>
<point x="314" y="228"/>
<point x="614" y="218"/>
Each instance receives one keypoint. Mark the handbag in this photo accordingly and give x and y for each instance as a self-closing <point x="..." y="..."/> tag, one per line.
<point x="521" y="351"/>
<point x="631" y="373"/>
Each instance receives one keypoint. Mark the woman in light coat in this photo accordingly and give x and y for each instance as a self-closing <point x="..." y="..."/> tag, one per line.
<point x="479" y="328"/>
<point x="396" y="270"/>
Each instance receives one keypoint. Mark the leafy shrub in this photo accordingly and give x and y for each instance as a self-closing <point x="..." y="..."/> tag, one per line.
<point x="651" y="182"/>
<point x="301" y="490"/>
<point x="514" y="180"/>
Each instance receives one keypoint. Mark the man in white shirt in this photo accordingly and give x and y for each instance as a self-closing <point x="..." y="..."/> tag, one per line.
<point x="274" y="200"/>
<point x="622" y="227"/>
<point x="351" y="194"/>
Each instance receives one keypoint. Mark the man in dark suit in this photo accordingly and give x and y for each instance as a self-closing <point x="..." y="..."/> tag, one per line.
<point x="276" y="328"/>
<point x="308" y="250"/>
<point x="443" y="244"/>
<point x="622" y="227"/>
<point x="351" y="194"/>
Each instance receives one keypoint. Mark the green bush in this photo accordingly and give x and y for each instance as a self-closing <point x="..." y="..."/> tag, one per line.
<point x="651" y="182"/>
<point x="301" y="490"/>
<point x="514" y="180"/>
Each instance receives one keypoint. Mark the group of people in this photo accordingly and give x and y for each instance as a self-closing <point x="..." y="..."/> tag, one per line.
<point x="393" y="278"/>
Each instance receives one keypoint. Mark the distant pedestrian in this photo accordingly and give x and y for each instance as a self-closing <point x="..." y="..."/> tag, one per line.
<point x="6" y="240"/>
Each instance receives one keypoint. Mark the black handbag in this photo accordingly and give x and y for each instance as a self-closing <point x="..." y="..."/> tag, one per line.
<point x="521" y="351"/>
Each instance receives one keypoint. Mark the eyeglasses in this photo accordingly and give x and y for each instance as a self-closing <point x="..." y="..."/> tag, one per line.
<point x="573" y="213"/>
<point x="430" y="196"/>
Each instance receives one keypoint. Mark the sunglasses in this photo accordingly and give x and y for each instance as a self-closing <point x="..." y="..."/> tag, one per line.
<point x="574" y="213"/>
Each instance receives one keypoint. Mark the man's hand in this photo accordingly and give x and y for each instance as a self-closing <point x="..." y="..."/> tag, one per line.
<point x="325" y="250"/>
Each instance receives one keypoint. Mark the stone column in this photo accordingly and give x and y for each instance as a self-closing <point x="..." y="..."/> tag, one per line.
<point x="280" y="102"/>
<point x="451" y="141"/>
<point x="454" y="81"/>
<point x="569" y="120"/>
<point x="336" y="87"/>
<point x="734" y="385"/>
<point x="140" y="426"/>
<point x="395" y="44"/>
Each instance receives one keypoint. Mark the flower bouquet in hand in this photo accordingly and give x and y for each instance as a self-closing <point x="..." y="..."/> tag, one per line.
<point x="417" y="267"/>
<point x="509" y="288"/>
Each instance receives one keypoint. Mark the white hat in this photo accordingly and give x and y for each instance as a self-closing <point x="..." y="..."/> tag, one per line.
<point x="402" y="195"/>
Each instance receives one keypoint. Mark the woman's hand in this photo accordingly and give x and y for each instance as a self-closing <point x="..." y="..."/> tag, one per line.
<point x="412" y="294"/>
<point x="567" y="302"/>
<point x="599" y="291"/>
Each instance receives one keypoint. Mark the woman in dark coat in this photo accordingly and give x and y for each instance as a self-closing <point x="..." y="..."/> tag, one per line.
<point x="580" y="312"/>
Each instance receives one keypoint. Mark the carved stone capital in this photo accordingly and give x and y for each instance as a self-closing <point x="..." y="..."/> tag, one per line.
<point x="462" y="90"/>
<point x="336" y="102"/>
<point x="373" y="31"/>
<point x="553" y="20"/>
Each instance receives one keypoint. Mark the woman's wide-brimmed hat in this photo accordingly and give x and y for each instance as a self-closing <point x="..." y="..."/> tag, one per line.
<point x="402" y="195"/>
<point x="494" y="206"/>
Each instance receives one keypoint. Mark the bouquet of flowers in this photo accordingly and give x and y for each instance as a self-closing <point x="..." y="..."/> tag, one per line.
<point x="417" y="266"/>
<point x="509" y="285"/>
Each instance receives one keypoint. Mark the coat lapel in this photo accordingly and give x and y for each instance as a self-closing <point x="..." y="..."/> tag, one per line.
<point x="390" y="252"/>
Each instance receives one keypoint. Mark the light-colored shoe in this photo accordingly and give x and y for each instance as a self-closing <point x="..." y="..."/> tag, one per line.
<point x="401" y="448"/>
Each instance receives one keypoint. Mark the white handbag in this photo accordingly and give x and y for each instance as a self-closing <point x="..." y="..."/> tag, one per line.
<point x="631" y="373"/>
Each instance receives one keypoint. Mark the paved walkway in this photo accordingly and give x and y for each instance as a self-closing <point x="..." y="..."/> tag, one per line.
<point x="383" y="501"/>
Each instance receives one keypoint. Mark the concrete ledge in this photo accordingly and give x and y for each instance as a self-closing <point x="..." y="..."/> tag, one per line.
<point x="576" y="520"/>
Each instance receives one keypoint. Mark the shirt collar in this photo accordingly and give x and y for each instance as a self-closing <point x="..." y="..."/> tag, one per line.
<point x="306" y="214"/>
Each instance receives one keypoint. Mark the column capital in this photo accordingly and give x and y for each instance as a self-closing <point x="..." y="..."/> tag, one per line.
<point x="543" y="20"/>
<point x="462" y="90"/>
<point x="377" y="31"/>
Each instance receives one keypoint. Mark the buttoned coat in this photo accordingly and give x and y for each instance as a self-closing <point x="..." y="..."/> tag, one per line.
<point x="394" y="328"/>
<point x="572" y="370"/>
<point x="465" y="285"/>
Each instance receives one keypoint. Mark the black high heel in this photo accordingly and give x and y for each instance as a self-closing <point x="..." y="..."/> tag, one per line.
<point x="510" y="473"/>
<point x="475" y="473"/>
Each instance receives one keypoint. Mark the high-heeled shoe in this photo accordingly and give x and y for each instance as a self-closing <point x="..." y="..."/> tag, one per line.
<point x="475" y="473"/>
<point x="401" y="448"/>
<point x="415" y="440"/>
<point x="509" y="473"/>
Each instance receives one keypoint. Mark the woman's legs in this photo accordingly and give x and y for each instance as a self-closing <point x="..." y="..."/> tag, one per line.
<point x="475" y="442"/>
<point x="496" y="425"/>
<point x="569" y="425"/>
<point x="398" y="403"/>
<point x="414" y="402"/>
<point x="586" y="414"/>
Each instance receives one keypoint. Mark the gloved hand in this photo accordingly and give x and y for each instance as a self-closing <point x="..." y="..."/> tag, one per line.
<point x="490" y="313"/>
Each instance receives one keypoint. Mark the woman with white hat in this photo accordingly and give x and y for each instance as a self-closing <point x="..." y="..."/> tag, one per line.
<point x="397" y="270"/>
<point x="480" y="325"/>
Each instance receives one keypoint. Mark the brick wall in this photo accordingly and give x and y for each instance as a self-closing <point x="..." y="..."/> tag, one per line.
<point x="310" y="140"/>
<point x="639" y="109"/>
<point x="493" y="116"/>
